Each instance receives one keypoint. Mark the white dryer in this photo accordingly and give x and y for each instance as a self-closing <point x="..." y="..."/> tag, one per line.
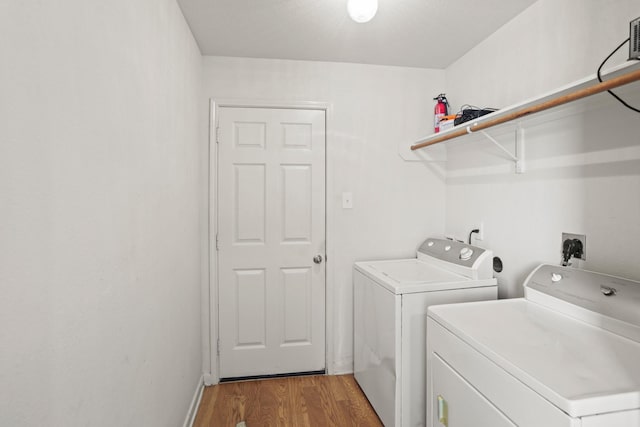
<point x="566" y="355"/>
<point x="390" y="305"/>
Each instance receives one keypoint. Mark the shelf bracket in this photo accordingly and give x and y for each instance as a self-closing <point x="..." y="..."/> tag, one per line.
<point x="518" y="158"/>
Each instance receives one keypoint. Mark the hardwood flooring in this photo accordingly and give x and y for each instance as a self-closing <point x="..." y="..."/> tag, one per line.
<point x="306" y="401"/>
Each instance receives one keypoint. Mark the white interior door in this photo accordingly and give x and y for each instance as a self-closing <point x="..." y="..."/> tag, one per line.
<point x="271" y="226"/>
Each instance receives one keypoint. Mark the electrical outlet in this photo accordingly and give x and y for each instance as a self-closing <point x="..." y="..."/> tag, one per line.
<point x="581" y="237"/>
<point x="477" y="233"/>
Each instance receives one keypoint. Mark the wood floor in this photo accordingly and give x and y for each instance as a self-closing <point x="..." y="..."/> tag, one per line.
<point x="317" y="400"/>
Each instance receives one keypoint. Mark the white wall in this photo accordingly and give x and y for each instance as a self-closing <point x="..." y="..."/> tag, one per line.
<point x="99" y="213"/>
<point x="374" y="110"/>
<point x="583" y="171"/>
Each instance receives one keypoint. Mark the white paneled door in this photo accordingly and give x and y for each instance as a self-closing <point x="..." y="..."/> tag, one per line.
<point x="271" y="240"/>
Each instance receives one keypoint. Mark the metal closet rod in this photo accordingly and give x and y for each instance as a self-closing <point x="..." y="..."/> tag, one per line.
<point x="536" y="108"/>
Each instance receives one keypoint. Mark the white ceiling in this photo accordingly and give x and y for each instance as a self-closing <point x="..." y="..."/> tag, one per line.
<point x="414" y="33"/>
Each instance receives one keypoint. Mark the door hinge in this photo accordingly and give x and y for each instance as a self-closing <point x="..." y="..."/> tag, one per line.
<point x="217" y="134"/>
<point x="218" y="347"/>
<point x="217" y="243"/>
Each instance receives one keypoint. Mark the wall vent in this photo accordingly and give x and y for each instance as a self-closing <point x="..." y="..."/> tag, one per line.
<point x="634" y="39"/>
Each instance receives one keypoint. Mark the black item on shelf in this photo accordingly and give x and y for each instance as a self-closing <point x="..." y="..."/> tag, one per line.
<point x="467" y="114"/>
<point x="634" y="39"/>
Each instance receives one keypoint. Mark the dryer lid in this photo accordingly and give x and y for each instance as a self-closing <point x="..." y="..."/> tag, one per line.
<point x="580" y="368"/>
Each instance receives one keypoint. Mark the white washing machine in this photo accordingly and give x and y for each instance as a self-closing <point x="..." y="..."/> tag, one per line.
<point x="390" y="306"/>
<point x="566" y="355"/>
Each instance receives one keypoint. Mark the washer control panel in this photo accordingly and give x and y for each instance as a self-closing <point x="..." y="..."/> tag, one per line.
<point x="451" y="251"/>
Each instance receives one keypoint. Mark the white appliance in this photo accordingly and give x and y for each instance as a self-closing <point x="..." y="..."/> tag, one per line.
<point x="390" y="305"/>
<point x="568" y="354"/>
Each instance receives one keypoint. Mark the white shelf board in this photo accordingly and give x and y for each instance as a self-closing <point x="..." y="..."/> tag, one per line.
<point x="630" y="93"/>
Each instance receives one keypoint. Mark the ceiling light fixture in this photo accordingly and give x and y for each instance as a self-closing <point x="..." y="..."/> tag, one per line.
<point x="362" y="11"/>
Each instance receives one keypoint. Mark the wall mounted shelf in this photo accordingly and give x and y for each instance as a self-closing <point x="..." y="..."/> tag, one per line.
<point x="570" y="99"/>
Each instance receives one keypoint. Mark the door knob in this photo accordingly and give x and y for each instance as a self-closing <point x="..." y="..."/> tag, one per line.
<point x="317" y="259"/>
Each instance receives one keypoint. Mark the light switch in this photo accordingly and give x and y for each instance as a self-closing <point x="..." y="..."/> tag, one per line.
<point x="347" y="200"/>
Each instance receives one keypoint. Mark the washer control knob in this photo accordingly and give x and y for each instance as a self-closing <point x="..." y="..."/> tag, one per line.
<point x="447" y="248"/>
<point x="430" y="243"/>
<point x="465" y="253"/>
<point x="608" y="291"/>
<point x="556" y="277"/>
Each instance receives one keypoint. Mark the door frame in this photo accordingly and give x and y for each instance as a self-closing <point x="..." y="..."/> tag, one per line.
<point x="210" y="360"/>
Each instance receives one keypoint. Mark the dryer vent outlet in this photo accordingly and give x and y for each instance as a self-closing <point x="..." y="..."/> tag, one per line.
<point x="634" y="39"/>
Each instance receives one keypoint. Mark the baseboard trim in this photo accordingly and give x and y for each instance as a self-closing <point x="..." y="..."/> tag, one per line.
<point x="195" y="404"/>
<point x="210" y="380"/>
<point x="341" y="368"/>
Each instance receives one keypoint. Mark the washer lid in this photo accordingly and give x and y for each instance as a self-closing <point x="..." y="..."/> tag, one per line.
<point x="413" y="275"/>
<point x="580" y="368"/>
<point x="413" y="271"/>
